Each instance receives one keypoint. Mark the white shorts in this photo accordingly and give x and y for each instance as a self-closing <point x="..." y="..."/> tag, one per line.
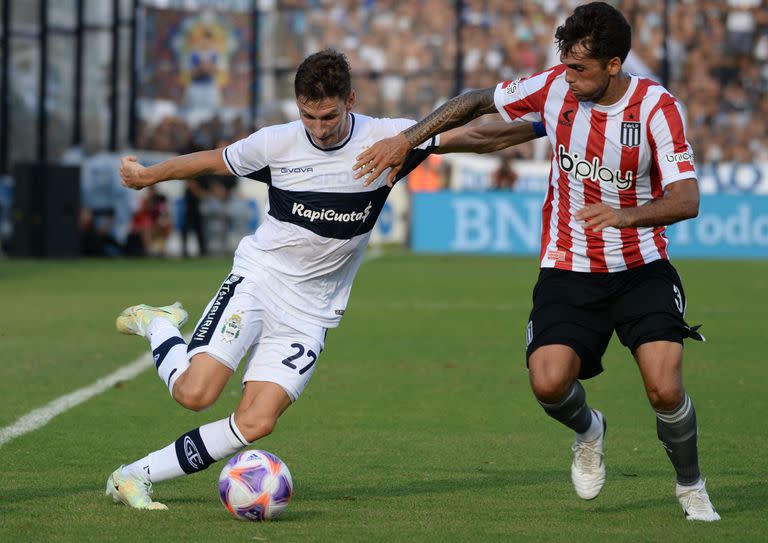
<point x="280" y="348"/>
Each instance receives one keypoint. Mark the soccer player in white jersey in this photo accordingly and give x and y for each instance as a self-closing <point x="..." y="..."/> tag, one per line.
<point x="621" y="171"/>
<point x="290" y="280"/>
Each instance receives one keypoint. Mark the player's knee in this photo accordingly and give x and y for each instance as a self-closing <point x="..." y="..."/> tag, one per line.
<point x="550" y="381"/>
<point x="193" y="396"/>
<point x="254" y="426"/>
<point x="549" y="391"/>
<point x="665" y="397"/>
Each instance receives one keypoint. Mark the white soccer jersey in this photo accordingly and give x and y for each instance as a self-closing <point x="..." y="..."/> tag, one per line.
<point x="318" y="217"/>
<point x="623" y="155"/>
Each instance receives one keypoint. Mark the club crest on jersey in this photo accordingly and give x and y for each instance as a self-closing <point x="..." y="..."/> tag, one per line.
<point x="583" y="170"/>
<point x="230" y="330"/>
<point x="630" y="134"/>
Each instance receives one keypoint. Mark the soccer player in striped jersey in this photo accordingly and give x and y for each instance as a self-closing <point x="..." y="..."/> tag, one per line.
<point x="621" y="170"/>
<point x="290" y="280"/>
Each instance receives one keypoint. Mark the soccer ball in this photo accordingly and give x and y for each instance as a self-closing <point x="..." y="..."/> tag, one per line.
<point x="255" y="485"/>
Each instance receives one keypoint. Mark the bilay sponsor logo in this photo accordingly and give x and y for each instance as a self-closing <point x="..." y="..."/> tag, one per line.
<point x="686" y="156"/>
<point x="512" y="87"/>
<point x="330" y="215"/>
<point x="582" y="169"/>
<point x="300" y="169"/>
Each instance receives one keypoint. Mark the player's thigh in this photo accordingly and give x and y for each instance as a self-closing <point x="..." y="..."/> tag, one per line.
<point x="204" y="380"/>
<point x="233" y="321"/>
<point x="570" y="315"/>
<point x="651" y="307"/>
<point x="286" y="355"/>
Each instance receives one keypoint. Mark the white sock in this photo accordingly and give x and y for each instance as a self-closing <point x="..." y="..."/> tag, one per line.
<point x="168" y="349"/>
<point x="192" y="452"/>
<point x="594" y="430"/>
<point x="697" y="484"/>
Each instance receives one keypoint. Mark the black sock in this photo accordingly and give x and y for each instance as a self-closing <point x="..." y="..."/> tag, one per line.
<point x="572" y="410"/>
<point x="678" y="434"/>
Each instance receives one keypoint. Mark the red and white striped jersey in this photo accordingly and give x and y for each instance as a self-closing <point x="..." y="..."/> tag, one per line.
<point x="623" y="155"/>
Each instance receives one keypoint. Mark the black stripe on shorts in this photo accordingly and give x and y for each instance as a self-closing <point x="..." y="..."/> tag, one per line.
<point x="210" y="322"/>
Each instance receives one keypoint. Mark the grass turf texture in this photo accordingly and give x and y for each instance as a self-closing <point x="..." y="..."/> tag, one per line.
<point x="418" y="426"/>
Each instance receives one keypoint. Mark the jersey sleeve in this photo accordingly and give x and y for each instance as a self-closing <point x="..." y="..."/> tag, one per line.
<point x="523" y="99"/>
<point x="671" y="151"/>
<point x="248" y="156"/>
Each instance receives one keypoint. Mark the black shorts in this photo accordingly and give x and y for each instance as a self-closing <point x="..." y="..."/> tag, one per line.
<point x="582" y="310"/>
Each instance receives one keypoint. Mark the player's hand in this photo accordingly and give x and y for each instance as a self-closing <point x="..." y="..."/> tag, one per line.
<point x="599" y="216"/>
<point x="132" y="173"/>
<point x="387" y="153"/>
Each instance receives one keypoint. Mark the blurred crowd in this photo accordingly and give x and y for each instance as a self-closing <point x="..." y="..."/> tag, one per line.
<point x="404" y="58"/>
<point x="204" y="216"/>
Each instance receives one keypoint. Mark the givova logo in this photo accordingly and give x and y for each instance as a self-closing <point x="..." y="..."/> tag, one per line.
<point x="581" y="169"/>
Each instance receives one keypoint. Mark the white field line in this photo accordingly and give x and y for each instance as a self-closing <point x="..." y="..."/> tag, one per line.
<point x="37" y="418"/>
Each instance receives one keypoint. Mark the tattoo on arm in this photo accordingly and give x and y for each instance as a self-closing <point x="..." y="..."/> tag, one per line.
<point x="455" y="112"/>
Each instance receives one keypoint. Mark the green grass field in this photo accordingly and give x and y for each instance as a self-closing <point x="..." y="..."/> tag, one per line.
<point x="418" y="426"/>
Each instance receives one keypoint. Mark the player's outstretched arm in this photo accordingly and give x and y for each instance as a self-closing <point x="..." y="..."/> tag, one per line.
<point x="136" y="176"/>
<point x="486" y="138"/>
<point x="680" y="202"/>
<point x="391" y="152"/>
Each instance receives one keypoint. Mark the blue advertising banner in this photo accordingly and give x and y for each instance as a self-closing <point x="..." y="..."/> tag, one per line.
<point x="728" y="226"/>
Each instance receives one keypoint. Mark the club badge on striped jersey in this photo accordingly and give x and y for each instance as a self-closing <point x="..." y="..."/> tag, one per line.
<point x="630" y="134"/>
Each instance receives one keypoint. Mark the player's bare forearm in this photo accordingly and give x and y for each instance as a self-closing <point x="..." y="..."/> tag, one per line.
<point x="390" y="153"/>
<point x="136" y="176"/>
<point x="680" y="202"/>
<point x="485" y="138"/>
<point x="189" y="166"/>
<point x="455" y="112"/>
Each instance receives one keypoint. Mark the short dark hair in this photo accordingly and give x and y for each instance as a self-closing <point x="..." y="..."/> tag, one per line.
<point x="325" y="74"/>
<point x="598" y="27"/>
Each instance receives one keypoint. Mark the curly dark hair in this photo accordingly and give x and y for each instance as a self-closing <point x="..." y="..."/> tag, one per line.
<point x="598" y="27"/>
<point x="325" y="74"/>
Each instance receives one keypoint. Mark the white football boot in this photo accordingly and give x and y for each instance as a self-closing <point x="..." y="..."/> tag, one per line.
<point x="695" y="502"/>
<point x="136" y="319"/>
<point x="133" y="490"/>
<point x="588" y="467"/>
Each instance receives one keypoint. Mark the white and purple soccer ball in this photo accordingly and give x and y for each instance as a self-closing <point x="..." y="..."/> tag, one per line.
<point x="255" y="485"/>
